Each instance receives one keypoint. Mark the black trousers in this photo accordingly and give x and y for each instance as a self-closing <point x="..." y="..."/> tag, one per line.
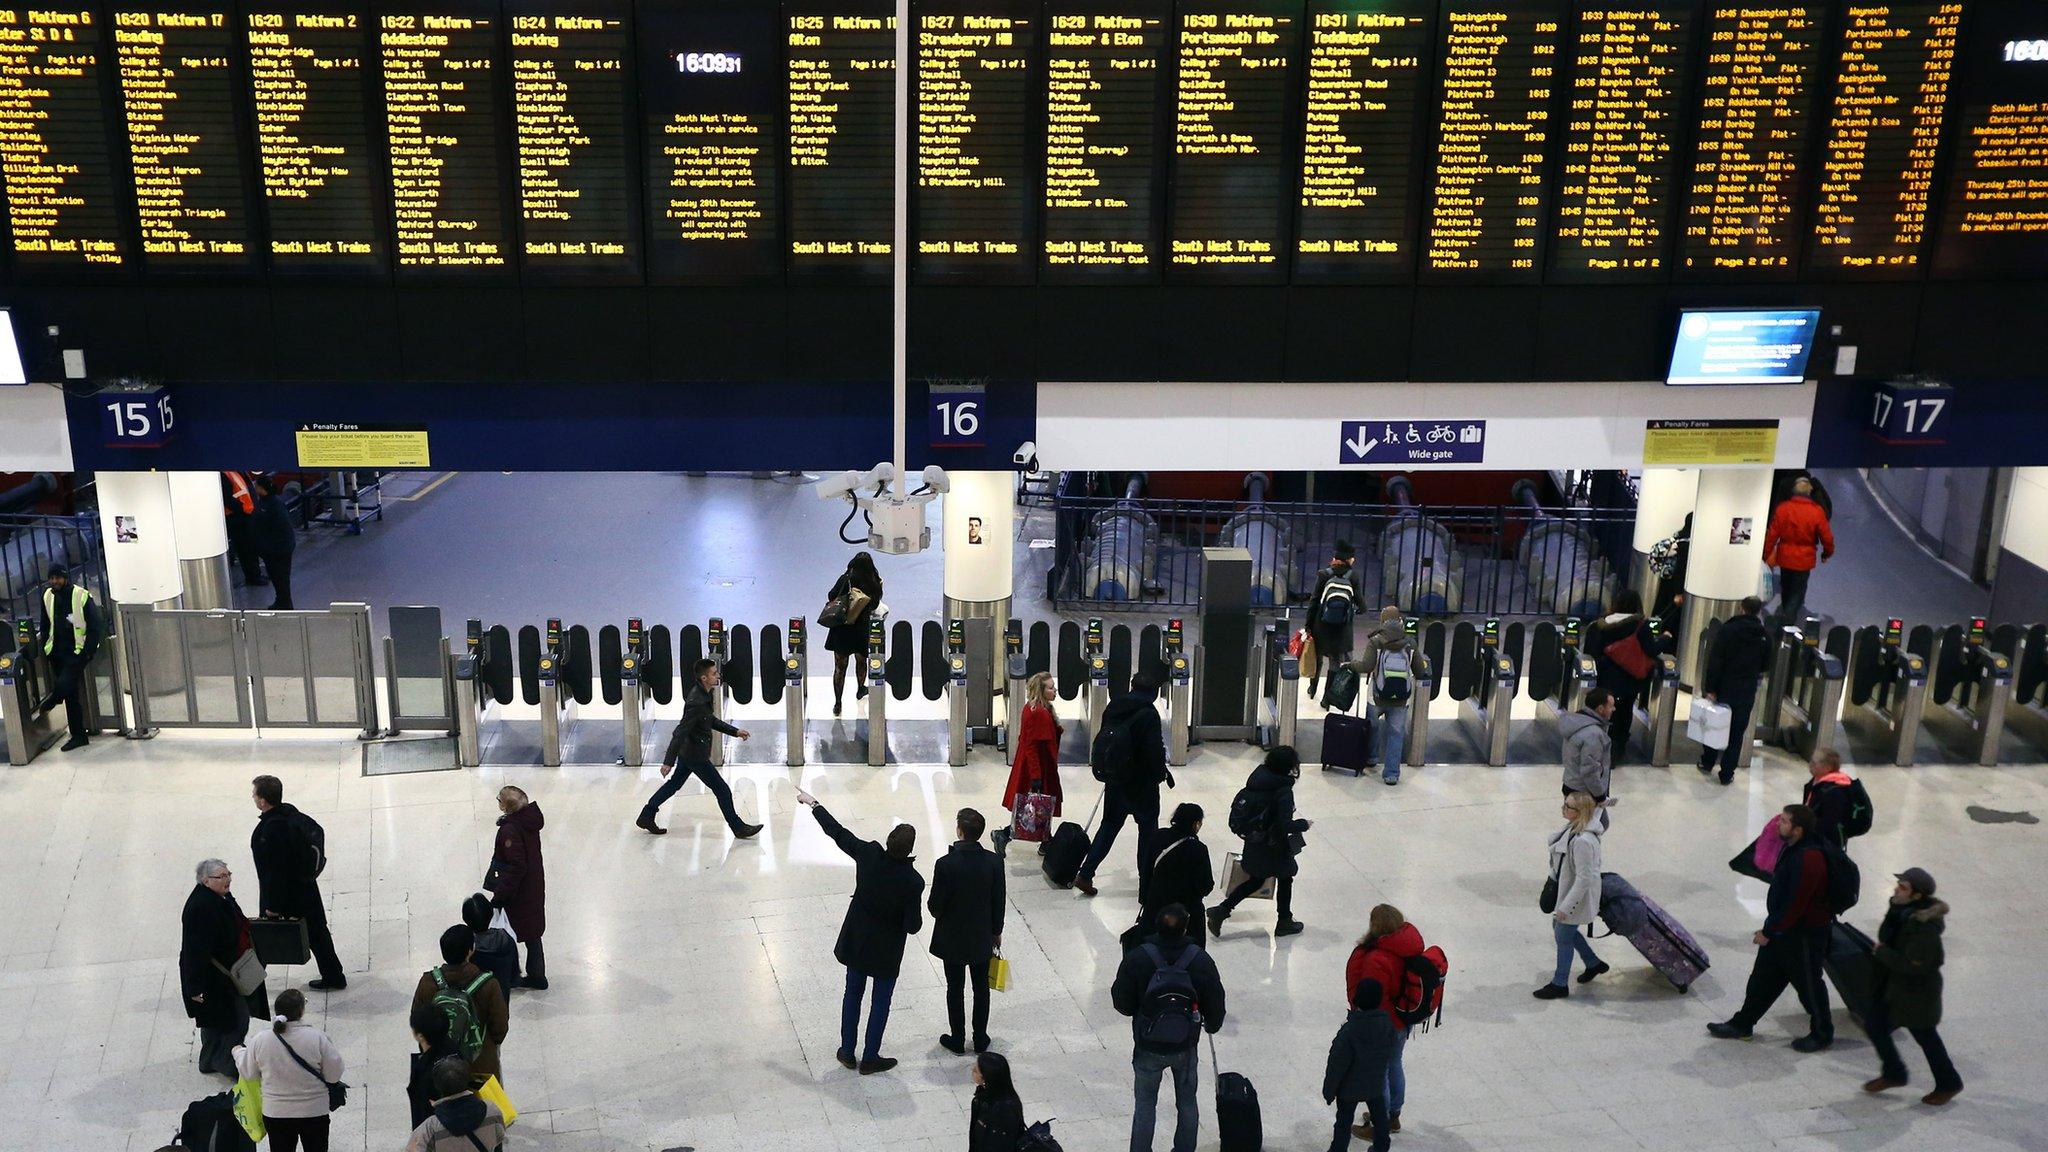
<point x="279" y="565"/>
<point x="290" y="1135"/>
<point x="1623" y="721"/>
<point x="322" y="941"/>
<point x="67" y="687"/>
<point x="1792" y="593"/>
<point x="1115" y="810"/>
<point x="1877" y="1023"/>
<point x="536" y="961"/>
<point x="1738" y="719"/>
<point x="1792" y="959"/>
<point x="242" y="546"/>
<point x="713" y="782"/>
<point x="969" y="973"/>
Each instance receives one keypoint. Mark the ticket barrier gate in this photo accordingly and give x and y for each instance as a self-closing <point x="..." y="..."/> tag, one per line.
<point x="632" y="696"/>
<point x="1972" y="683"/>
<point x="1660" y="711"/>
<point x="878" y="696"/>
<point x="551" y="702"/>
<point x="1887" y="692"/>
<point x="1560" y="672"/>
<point x="795" y="666"/>
<point x="23" y="672"/>
<point x="2026" y="715"/>
<point x="1286" y="703"/>
<point x="482" y="675"/>
<point x="1016" y="671"/>
<point x="956" y="694"/>
<point x="1802" y="701"/>
<point x="1180" y="693"/>
<point x="1098" y="676"/>
<point x="1487" y="674"/>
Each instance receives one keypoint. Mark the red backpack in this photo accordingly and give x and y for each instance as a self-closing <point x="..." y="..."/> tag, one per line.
<point x="1422" y="989"/>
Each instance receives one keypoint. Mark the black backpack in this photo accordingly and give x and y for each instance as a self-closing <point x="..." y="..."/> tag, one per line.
<point x="1251" y="815"/>
<point x="1038" y="1138"/>
<point x="1338" y="605"/>
<point x="1168" y="1015"/>
<point x="1113" y="755"/>
<point x="1861" y="811"/>
<point x="1845" y="880"/>
<point x="315" y="837"/>
<point x="209" y="1125"/>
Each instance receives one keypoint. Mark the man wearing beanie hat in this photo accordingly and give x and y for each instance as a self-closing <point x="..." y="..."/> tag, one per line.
<point x="1908" y="993"/>
<point x="70" y="631"/>
<point x="1331" y="608"/>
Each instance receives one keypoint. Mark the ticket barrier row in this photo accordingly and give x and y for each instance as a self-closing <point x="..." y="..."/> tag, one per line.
<point x="25" y="678"/>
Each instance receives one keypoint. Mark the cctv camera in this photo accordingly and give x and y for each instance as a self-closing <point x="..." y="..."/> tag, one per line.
<point x="1026" y="456"/>
<point x="935" y="479"/>
<point x="837" y="486"/>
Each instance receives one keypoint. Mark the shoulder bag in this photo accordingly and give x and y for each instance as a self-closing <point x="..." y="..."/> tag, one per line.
<point x="1548" y="900"/>
<point x="337" y="1092"/>
<point x="247" y="974"/>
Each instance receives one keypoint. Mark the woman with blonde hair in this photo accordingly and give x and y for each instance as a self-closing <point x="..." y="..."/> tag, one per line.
<point x="1382" y="954"/>
<point x="1034" y="755"/>
<point x="1574" y="892"/>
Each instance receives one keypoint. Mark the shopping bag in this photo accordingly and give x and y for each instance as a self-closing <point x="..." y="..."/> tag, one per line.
<point x="495" y="1093"/>
<point x="1033" y="817"/>
<point x="249" y="1108"/>
<point x="503" y="923"/>
<point x="1234" y="874"/>
<point x="998" y="973"/>
<point x="1709" y="723"/>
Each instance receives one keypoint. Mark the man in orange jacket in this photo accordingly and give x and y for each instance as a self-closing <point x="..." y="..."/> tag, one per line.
<point x="1798" y="539"/>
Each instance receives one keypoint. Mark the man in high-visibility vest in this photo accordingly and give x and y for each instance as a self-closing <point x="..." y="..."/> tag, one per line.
<point x="238" y="501"/>
<point x="70" y="634"/>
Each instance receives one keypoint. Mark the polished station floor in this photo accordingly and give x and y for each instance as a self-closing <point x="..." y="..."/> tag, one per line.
<point x="695" y="1000"/>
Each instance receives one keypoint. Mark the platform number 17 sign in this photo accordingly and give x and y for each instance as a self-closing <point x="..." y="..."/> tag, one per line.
<point x="1907" y="412"/>
<point x="956" y="415"/>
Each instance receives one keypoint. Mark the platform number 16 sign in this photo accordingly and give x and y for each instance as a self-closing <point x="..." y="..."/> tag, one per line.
<point x="1909" y="412"/>
<point x="956" y="415"/>
<point x="136" y="419"/>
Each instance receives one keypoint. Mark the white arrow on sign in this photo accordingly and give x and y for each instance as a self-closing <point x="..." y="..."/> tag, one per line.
<point x="1360" y="446"/>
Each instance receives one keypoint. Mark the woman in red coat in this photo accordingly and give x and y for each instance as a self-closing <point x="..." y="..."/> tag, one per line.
<point x="1383" y="956"/>
<point x="518" y="879"/>
<point x="1035" y="750"/>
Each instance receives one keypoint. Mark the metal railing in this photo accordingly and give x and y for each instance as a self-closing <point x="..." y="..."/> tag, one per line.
<point x="1139" y="555"/>
<point x="30" y="543"/>
<point x="220" y="668"/>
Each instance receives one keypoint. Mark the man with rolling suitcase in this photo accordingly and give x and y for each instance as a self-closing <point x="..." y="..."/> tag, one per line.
<point x="1331" y="608"/>
<point x="290" y="851"/>
<point x="1172" y="992"/>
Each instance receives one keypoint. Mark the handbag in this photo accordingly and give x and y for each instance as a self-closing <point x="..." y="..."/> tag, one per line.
<point x="998" y="973"/>
<point x="1627" y="654"/>
<point x="1759" y="860"/>
<point x="495" y="1093"/>
<point x="1033" y="816"/>
<point x="337" y="1092"/>
<point x="1548" y="900"/>
<point x="503" y="923"/>
<point x="247" y="974"/>
<point x="248" y="1096"/>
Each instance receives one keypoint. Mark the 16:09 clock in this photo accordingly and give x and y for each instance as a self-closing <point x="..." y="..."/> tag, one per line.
<point x="724" y="62"/>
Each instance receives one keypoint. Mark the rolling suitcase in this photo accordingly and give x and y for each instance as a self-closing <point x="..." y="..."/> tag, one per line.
<point x="280" y="940"/>
<point x="1664" y="942"/>
<point x="1347" y="743"/>
<point x="1067" y="849"/>
<point x="1238" y="1127"/>
<point x="1851" y="966"/>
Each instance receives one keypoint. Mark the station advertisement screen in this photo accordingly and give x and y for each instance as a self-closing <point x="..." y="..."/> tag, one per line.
<point x="1743" y="347"/>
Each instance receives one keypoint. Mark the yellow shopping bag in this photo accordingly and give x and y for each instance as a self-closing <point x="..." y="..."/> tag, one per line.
<point x="495" y="1093"/>
<point x="999" y="973"/>
<point x="249" y="1108"/>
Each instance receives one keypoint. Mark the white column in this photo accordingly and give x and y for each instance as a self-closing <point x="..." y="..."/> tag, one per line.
<point x="201" y="527"/>
<point x="141" y="539"/>
<point x="1726" y="559"/>
<point x="1664" y="499"/>
<point x="979" y="532"/>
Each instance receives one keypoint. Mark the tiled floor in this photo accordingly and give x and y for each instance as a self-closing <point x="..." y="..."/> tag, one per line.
<point x="695" y="998"/>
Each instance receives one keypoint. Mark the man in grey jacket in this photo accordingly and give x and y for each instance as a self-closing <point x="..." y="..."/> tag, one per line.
<point x="1588" y="753"/>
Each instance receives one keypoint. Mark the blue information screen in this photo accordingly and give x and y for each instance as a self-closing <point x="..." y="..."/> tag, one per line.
<point x="1743" y="347"/>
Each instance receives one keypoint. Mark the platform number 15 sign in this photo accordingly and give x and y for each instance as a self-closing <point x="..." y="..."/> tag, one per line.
<point x="138" y="419"/>
<point x="1907" y="412"/>
<point x="956" y="415"/>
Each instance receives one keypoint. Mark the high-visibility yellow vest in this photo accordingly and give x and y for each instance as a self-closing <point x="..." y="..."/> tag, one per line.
<point x="76" y="615"/>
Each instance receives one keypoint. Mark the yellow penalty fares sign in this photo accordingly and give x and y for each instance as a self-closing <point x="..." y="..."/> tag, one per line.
<point x="344" y="445"/>
<point x="1695" y="442"/>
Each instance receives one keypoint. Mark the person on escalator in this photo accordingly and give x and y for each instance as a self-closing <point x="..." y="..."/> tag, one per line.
<point x="846" y="637"/>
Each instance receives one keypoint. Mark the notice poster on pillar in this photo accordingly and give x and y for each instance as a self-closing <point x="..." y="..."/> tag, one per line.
<point x="1693" y="443"/>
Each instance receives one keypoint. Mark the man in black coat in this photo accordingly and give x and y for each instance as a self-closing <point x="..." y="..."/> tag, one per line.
<point x="272" y="538"/>
<point x="214" y="936"/>
<point x="1131" y="786"/>
<point x="1741" y="648"/>
<point x="884" y="913"/>
<point x="1169" y="947"/>
<point x="71" y="631"/>
<point x="287" y="875"/>
<point x="691" y="747"/>
<point x="967" y="925"/>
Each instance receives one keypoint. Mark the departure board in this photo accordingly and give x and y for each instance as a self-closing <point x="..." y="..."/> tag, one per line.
<point x="178" y="102"/>
<point x="976" y="117"/>
<point x="1615" y="196"/>
<point x="1498" y="69"/>
<point x="710" y="95"/>
<point x="1357" y="211"/>
<point x="1762" y="64"/>
<point x="53" y="140"/>
<point x="440" y="115"/>
<point x="571" y="96"/>
<point x="1995" y="219"/>
<point x="842" y="112"/>
<point x="306" y="80"/>
<point x="1877" y="165"/>
<point x="1233" y="173"/>
<point x="1103" y="69"/>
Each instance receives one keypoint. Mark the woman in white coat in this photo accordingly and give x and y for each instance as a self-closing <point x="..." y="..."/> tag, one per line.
<point x="1575" y="864"/>
<point x="295" y="1063"/>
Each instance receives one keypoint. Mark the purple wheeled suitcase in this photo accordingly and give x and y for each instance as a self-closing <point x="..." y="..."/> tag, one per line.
<point x="1347" y="743"/>
<point x="1664" y="942"/>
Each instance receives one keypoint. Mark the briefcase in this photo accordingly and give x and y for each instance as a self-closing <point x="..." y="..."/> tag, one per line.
<point x="280" y="940"/>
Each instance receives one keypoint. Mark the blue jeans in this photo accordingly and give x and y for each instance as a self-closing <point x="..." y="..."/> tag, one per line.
<point x="1150" y="1067"/>
<point x="878" y="1013"/>
<point x="1569" y="940"/>
<point x="1393" y="724"/>
<point x="1397" y="1077"/>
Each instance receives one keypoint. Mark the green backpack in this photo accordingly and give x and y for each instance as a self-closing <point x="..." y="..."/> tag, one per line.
<point x="465" y="1023"/>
